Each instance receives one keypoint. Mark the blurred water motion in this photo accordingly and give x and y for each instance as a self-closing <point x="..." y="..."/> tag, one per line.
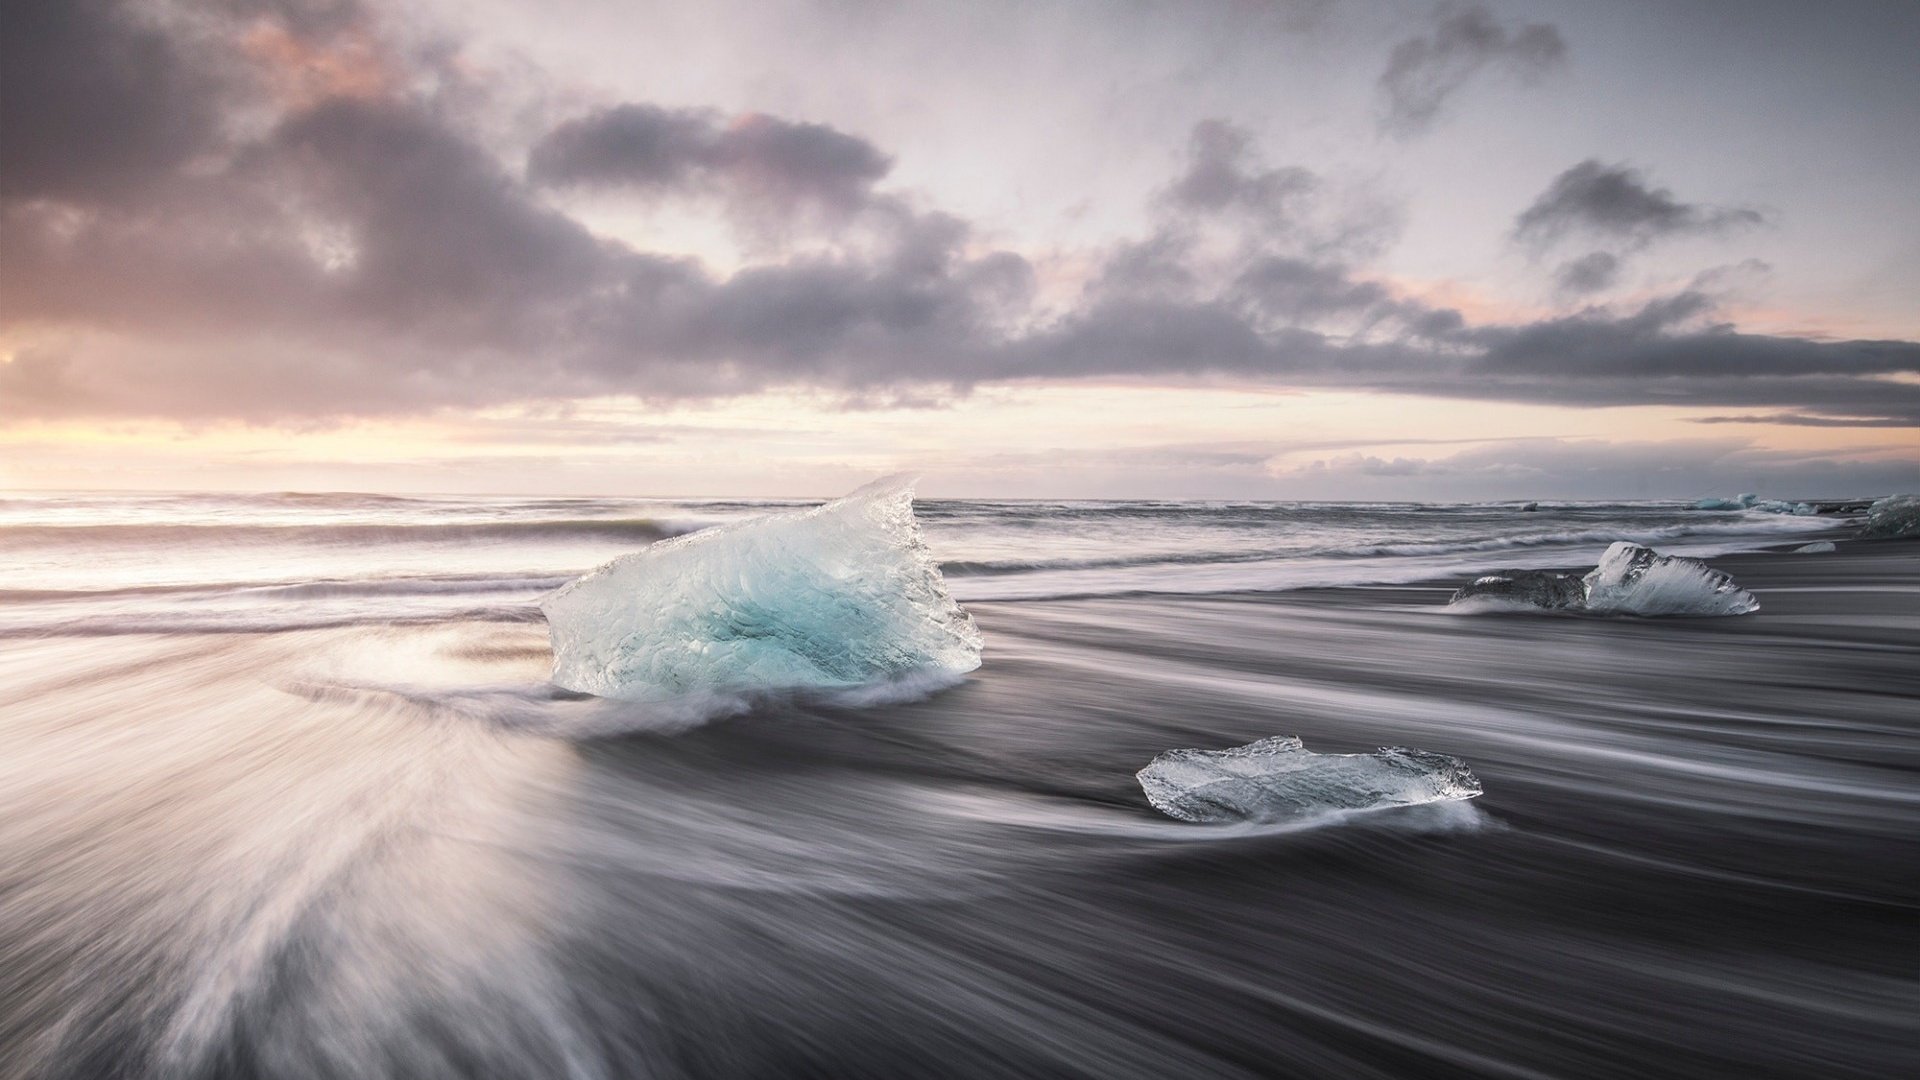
<point x="395" y="851"/>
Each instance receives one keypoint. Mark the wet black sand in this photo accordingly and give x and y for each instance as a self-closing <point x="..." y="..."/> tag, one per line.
<point x="1698" y="854"/>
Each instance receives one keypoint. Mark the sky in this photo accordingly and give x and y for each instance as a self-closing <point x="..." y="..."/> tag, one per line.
<point x="1215" y="249"/>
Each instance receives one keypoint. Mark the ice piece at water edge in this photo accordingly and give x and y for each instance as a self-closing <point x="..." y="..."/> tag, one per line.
<point x="1277" y="779"/>
<point x="839" y="596"/>
<point x="1895" y="516"/>
<point x="1630" y="580"/>
<point x="1525" y="588"/>
<point x="1634" y="580"/>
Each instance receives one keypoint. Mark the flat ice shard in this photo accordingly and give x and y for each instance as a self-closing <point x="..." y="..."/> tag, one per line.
<point x="1818" y="547"/>
<point x="1630" y="580"/>
<point x="841" y="596"/>
<point x="1893" y="517"/>
<point x="1278" y="779"/>
<point x="1525" y="588"/>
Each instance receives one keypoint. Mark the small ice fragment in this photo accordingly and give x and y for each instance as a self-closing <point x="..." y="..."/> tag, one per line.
<point x="1819" y="547"/>
<point x="1524" y="588"/>
<point x="1278" y="779"/>
<point x="839" y="597"/>
<point x="1633" y="580"/>
<point x="1893" y="517"/>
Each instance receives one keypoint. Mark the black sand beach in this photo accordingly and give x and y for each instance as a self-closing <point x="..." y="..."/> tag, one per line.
<point x="294" y="855"/>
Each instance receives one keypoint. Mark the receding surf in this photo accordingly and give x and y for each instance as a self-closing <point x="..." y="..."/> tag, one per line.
<point x="843" y="597"/>
<point x="1278" y="780"/>
<point x="1630" y="580"/>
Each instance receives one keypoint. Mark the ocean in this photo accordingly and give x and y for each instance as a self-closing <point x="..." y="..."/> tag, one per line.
<point x="286" y="792"/>
<point x="119" y="563"/>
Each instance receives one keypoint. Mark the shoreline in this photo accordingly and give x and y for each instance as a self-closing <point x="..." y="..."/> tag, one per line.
<point x="1763" y="567"/>
<point x="1694" y="853"/>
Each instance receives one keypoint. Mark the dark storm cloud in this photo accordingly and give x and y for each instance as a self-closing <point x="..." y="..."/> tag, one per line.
<point x="1223" y="175"/>
<point x="1225" y="184"/>
<point x="1301" y="289"/>
<point x="1806" y="420"/>
<point x="368" y="253"/>
<point x="1594" y="468"/>
<point x="1424" y="72"/>
<point x="305" y="18"/>
<point x="1593" y="272"/>
<point x="1664" y="340"/>
<point x="438" y="232"/>
<point x="1619" y="203"/>
<point x="651" y="149"/>
<point x="96" y="99"/>
<point x="1660" y="355"/>
<point x="395" y="265"/>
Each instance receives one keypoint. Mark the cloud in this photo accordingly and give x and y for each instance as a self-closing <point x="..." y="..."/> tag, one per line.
<point x="371" y="252"/>
<point x="1807" y="420"/>
<point x="1226" y="186"/>
<point x="1423" y="73"/>
<point x="1298" y="289"/>
<point x="1618" y="203"/>
<point x="1223" y="176"/>
<point x="1593" y="272"/>
<point x="757" y="160"/>
<point x="1608" y="468"/>
<point x="97" y="100"/>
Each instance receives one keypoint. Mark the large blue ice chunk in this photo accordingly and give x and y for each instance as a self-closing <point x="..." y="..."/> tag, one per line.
<point x="1279" y="779"/>
<point x="842" y="596"/>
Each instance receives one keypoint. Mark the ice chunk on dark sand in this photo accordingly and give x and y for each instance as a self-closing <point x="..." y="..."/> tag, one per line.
<point x="838" y="597"/>
<point x="1630" y="580"/>
<point x="1894" y="517"/>
<point x="1278" y="779"/>
<point x="1526" y="588"/>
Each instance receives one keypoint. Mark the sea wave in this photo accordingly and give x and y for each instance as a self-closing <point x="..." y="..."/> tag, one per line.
<point x="642" y="530"/>
<point x="1563" y="538"/>
<point x="250" y="563"/>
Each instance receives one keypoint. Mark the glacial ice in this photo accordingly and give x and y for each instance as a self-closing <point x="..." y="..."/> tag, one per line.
<point x="1278" y="779"/>
<point x="1633" y="580"/>
<point x="1630" y="580"/>
<point x="1896" y="516"/>
<point x="1750" y="501"/>
<point x="1818" y="547"/>
<point x="1526" y="588"/>
<point x="839" y="597"/>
